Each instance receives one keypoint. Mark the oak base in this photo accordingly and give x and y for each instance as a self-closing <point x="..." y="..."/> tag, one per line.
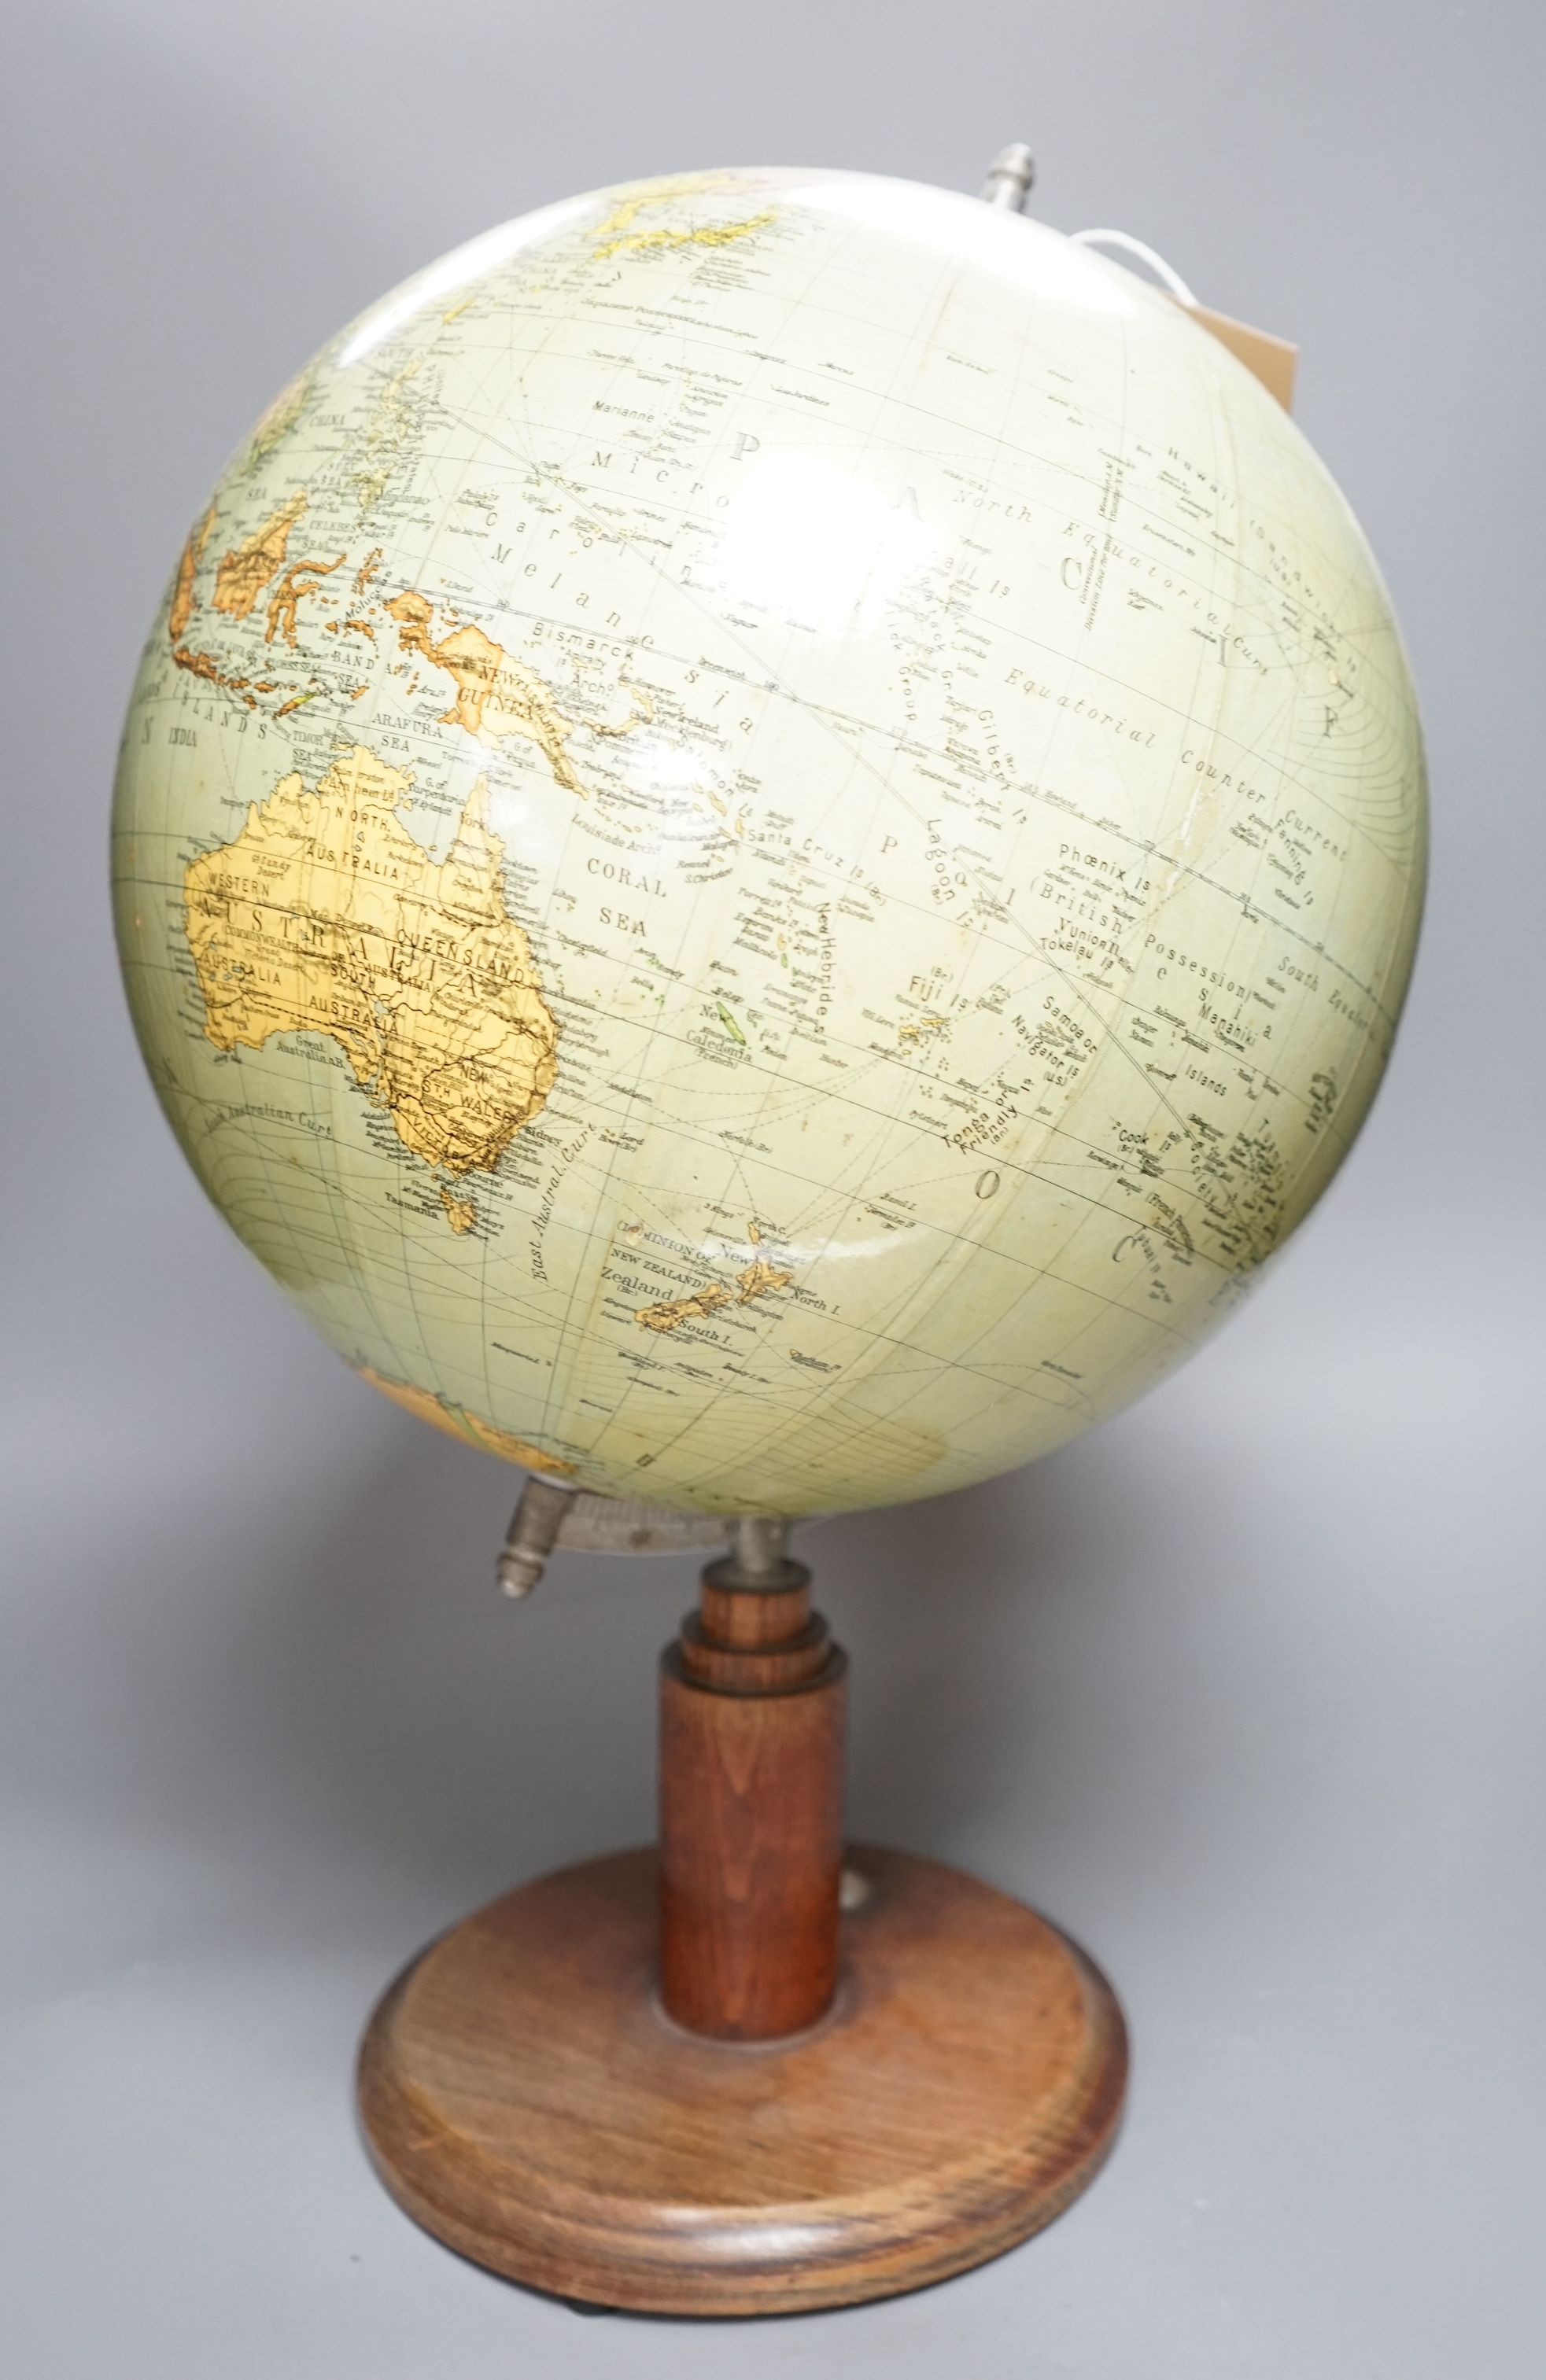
<point x="526" y="2101"/>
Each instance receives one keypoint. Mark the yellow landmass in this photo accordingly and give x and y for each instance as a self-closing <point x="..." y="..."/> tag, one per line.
<point x="673" y="1312"/>
<point x="188" y="571"/>
<point x="496" y="695"/>
<point x="756" y="1280"/>
<point x="704" y="236"/>
<point x="244" y="571"/>
<point x="462" y="1212"/>
<point x="324" y="915"/>
<point x="617" y="234"/>
<point x="301" y="578"/>
<point x="457" y="1422"/>
<point x="204" y="665"/>
<point x="180" y="613"/>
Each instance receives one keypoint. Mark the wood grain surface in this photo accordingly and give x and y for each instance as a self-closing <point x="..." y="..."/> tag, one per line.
<point x="527" y="2100"/>
<point x="753" y="1699"/>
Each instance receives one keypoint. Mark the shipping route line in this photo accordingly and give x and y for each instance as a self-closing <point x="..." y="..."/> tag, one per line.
<point x="828" y="716"/>
<point x="603" y="1342"/>
<point x="1270" y="597"/>
<point x="1078" y="987"/>
<point x="1151" y="851"/>
<point x="222" y="1111"/>
<point x="862" y="1057"/>
<point x="1221" y="548"/>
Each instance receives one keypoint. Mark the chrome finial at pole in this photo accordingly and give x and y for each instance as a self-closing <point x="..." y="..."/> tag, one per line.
<point x="1009" y="179"/>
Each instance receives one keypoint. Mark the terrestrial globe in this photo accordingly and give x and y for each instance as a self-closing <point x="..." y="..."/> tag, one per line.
<point x="769" y="839"/>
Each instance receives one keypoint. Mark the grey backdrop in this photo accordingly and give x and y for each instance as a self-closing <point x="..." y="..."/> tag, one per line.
<point x="1243" y="1689"/>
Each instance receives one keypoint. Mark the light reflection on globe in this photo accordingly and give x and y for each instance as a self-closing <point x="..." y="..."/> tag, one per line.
<point x="771" y="836"/>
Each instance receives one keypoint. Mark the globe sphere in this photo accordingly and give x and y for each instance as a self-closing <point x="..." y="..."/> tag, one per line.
<point x="770" y="838"/>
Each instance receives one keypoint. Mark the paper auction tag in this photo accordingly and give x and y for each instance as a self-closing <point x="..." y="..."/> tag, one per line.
<point x="1272" y="360"/>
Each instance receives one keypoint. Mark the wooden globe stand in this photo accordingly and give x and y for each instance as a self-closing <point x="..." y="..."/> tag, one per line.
<point x="744" y="2074"/>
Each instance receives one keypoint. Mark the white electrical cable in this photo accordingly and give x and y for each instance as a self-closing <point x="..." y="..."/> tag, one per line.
<point x="1140" y="248"/>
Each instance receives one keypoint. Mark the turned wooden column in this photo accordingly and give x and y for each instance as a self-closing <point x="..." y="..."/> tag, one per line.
<point x="614" y="2083"/>
<point x="751" y="1757"/>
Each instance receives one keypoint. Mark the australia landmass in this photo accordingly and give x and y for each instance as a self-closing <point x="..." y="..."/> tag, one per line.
<point x="470" y="1428"/>
<point x="324" y="915"/>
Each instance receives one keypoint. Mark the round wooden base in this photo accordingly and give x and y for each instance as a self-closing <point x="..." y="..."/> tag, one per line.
<point x="526" y="2101"/>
